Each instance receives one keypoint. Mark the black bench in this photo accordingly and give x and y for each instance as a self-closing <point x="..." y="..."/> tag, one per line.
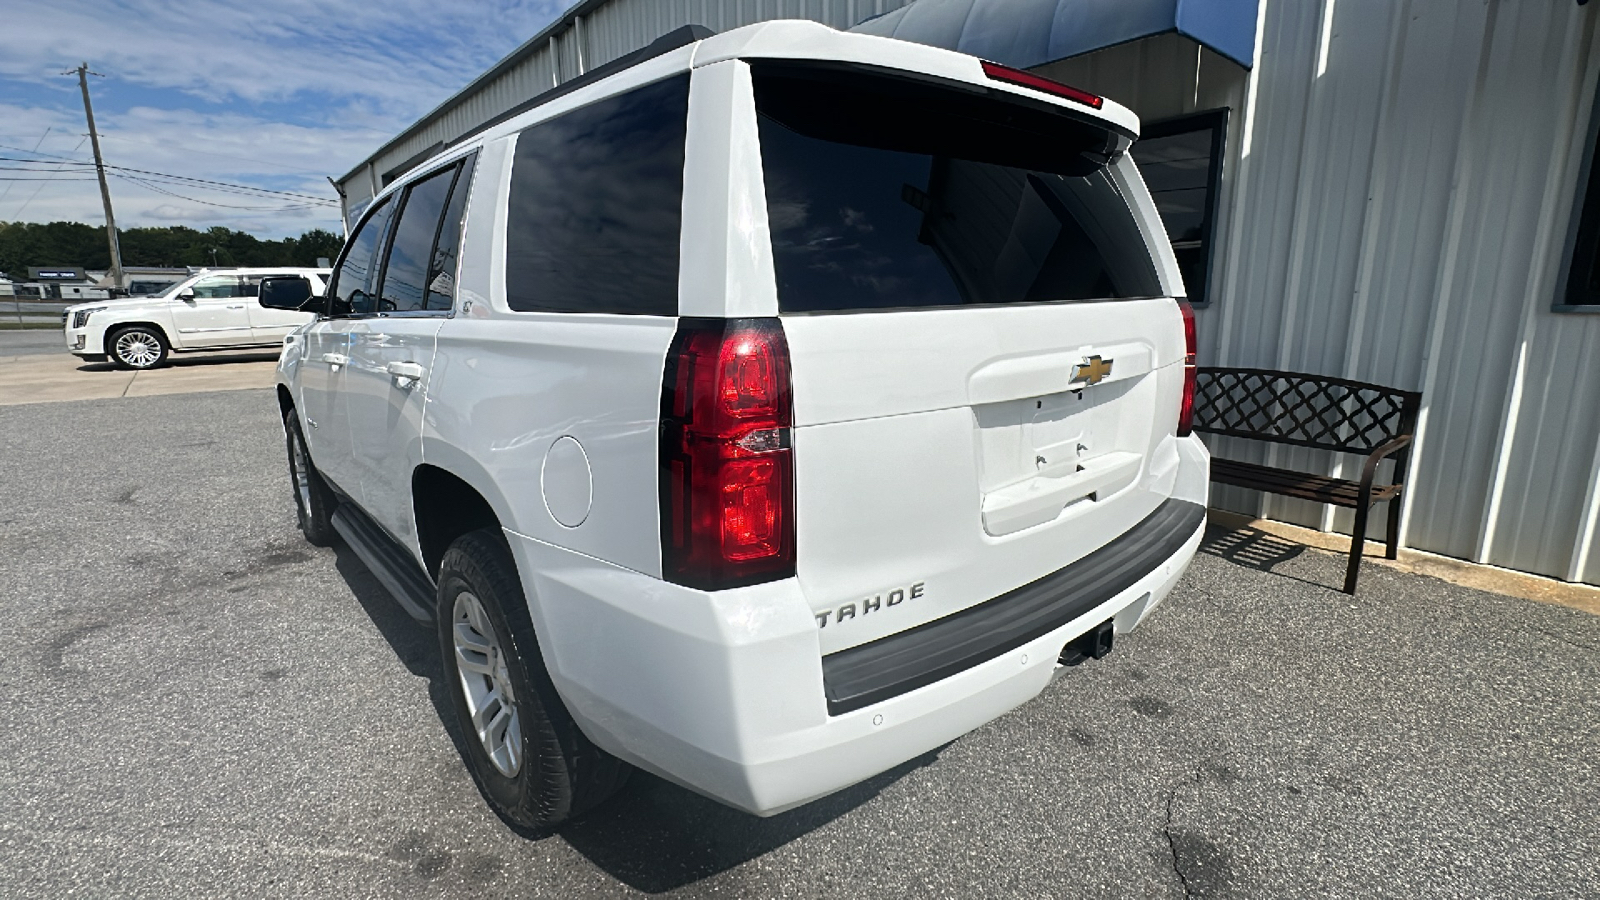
<point x="1322" y="413"/>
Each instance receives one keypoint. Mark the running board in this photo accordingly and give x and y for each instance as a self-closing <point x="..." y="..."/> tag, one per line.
<point x="387" y="560"/>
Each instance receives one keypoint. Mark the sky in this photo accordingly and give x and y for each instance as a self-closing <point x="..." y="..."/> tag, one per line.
<point x="277" y="95"/>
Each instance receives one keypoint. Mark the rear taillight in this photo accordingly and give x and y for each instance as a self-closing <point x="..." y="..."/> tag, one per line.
<point x="1029" y="80"/>
<point x="1186" y="409"/>
<point x="727" y="470"/>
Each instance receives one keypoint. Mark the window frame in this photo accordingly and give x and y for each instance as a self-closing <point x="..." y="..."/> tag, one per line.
<point x="687" y="77"/>
<point x="458" y="165"/>
<point x="1584" y="221"/>
<point x="219" y="277"/>
<point x="376" y="205"/>
<point x="466" y="164"/>
<point x="1217" y="120"/>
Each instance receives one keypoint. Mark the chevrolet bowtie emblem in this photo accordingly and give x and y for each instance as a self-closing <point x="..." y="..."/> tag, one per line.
<point x="1092" y="370"/>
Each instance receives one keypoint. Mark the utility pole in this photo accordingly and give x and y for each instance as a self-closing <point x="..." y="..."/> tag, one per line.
<point x="100" y="169"/>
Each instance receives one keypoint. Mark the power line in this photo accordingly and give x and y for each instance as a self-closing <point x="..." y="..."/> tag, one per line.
<point x="159" y="190"/>
<point x="186" y="178"/>
<point x="25" y="203"/>
<point x="36" y="146"/>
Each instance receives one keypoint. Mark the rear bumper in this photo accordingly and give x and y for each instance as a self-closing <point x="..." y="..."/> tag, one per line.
<point x="724" y="693"/>
<point x="873" y="672"/>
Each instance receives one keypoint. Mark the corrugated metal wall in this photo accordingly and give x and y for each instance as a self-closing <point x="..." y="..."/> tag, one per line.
<point x="599" y="33"/>
<point x="1399" y="190"/>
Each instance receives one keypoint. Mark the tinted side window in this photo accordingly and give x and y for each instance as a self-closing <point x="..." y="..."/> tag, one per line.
<point x="596" y="206"/>
<point x="405" y="272"/>
<point x="442" y="270"/>
<point x="215" y="287"/>
<point x="249" y="285"/>
<point x="351" y="293"/>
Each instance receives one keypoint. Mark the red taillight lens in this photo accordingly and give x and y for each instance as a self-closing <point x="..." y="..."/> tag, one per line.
<point x="727" y="471"/>
<point x="1186" y="408"/>
<point x="1030" y="80"/>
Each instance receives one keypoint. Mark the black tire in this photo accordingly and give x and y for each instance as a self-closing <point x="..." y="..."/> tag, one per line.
<point x="561" y="774"/>
<point x="137" y="347"/>
<point x="314" y="501"/>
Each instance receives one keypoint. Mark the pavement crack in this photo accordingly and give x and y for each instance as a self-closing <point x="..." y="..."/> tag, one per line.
<point x="1172" y="844"/>
<point x="1564" y="639"/>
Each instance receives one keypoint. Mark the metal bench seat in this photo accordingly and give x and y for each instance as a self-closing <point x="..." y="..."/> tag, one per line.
<point x="1334" y="414"/>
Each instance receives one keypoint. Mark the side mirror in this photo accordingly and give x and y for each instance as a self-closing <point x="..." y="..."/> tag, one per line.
<point x="289" y="292"/>
<point x="186" y="295"/>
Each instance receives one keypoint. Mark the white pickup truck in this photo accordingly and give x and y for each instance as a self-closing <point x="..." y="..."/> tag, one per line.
<point x="763" y="411"/>
<point x="214" y="309"/>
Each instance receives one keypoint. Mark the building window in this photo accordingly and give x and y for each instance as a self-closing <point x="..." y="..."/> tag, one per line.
<point x="1581" y="292"/>
<point x="1181" y="161"/>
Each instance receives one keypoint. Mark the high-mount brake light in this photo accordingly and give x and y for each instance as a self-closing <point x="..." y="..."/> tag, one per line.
<point x="727" y="469"/>
<point x="1018" y="77"/>
<point x="1186" y="409"/>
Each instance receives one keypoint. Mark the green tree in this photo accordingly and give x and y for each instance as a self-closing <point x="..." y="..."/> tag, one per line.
<point x="24" y="244"/>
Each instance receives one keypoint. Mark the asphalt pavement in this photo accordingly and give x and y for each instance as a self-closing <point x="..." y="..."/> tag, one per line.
<point x="31" y="341"/>
<point x="197" y="703"/>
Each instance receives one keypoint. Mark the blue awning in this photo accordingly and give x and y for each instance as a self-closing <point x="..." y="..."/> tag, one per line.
<point x="1028" y="33"/>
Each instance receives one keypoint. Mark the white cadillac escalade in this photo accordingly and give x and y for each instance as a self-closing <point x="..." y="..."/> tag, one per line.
<point x="763" y="410"/>
<point x="214" y="309"/>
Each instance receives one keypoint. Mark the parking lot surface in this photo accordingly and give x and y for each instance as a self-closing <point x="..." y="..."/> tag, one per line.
<point x="196" y="702"/>
<point x="39" y="377"/>
<point x="31" y="341"/>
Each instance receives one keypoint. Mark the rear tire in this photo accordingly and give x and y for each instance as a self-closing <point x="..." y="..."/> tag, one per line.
<point x="532" y="764"/>
<point x="314" y="501"/>
<point x="137" y="347"/>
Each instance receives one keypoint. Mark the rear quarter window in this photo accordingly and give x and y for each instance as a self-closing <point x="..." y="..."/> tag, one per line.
<point x="596" y="206"/>
<point x="889" y="193"/>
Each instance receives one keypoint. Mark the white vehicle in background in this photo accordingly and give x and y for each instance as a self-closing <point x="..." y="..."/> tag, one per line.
<point x="214" y="309"/>
<point x="763" y="411"/>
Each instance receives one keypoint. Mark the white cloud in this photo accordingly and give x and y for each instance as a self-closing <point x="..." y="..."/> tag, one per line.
<point x="273" y="95"/>
<point x="168" y="212"/>
<point x="402" y="55"/>
<point x="232" y="148"/>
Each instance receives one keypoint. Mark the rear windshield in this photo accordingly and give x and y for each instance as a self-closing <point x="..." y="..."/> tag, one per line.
<point x="885" y="192"/>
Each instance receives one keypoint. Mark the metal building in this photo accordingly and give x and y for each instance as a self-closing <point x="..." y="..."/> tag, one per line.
<point x="591" y="33"/>
<point x="1396" y="192"/>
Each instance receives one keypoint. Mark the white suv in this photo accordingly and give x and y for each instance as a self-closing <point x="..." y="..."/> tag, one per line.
<point x="764" y="411"/>
<point x="215" y="309"/>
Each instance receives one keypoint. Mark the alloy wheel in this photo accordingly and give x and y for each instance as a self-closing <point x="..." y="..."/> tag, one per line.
<point x="300" y="470"/>
<point x="138" y="349"/>
<point x="486" y="684"/>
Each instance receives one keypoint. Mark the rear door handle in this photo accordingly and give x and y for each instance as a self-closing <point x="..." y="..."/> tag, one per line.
<point x="405" y="374"/>
<point x="240" y="306"/>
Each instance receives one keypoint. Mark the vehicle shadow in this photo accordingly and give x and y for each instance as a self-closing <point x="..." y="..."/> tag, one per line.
<point x="654" y="836"/>
<point x="183" y="362"/>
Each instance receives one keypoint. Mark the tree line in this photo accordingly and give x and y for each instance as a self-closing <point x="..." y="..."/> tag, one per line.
<point x="24" y="244"/>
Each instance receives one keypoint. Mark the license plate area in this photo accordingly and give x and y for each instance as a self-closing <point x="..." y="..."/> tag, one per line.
<point x="1037" y="456"/>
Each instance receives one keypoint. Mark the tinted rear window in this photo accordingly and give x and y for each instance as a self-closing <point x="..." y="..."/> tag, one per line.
<point x="596" y="204"/>
<point x="885" y="193"/>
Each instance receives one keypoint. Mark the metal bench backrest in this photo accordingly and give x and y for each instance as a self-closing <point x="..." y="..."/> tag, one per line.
<point x="1304" y="410"/>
